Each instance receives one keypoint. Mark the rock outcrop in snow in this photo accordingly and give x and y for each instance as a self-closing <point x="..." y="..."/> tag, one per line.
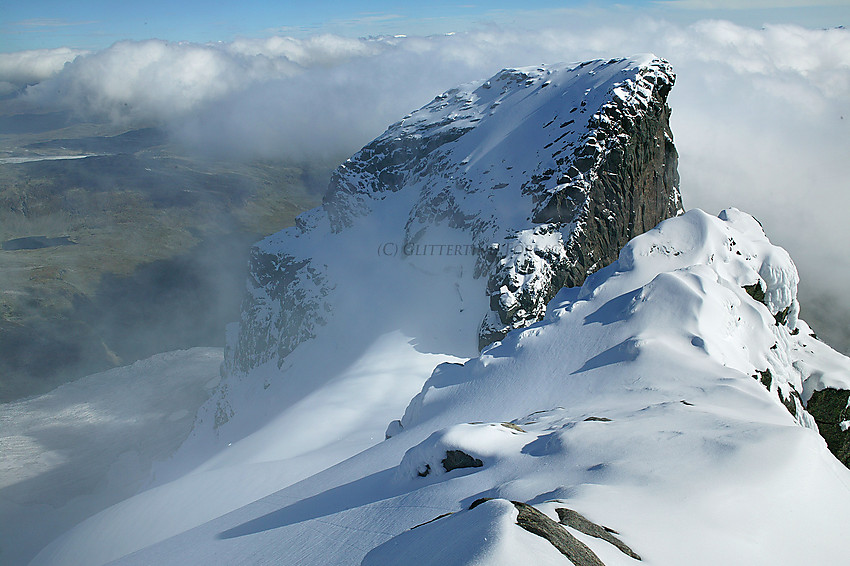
<point x="830" y="407"/>
<point x="541" y="174"/>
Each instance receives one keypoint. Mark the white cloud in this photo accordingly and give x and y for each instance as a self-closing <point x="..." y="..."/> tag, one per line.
<point x="29" y="67"/>
<point x="318" y="50"/>
<point x="151" y="80"/>
<point x="761" y="117"/>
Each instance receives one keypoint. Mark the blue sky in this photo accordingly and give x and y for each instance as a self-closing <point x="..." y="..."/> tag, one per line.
<point x="96" y="24"/>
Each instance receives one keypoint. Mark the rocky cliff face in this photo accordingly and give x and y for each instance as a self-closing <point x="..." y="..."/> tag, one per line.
<point x="538" y="176"/>
<point x="619" y="181"/>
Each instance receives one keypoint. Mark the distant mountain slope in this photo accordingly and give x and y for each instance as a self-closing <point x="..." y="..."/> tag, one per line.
<point x="90" y="444"/>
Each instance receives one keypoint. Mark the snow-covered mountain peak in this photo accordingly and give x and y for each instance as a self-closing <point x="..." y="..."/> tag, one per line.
<point x="745" y="258"/>
<point x="517" y="184"/>
<point x="696" y="288"/>
<point x="513" y="133"/>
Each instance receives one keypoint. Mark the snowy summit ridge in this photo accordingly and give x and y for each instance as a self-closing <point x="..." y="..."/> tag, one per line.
<point x="632" y="421"/>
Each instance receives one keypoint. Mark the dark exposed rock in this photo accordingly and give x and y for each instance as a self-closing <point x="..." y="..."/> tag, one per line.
<point x="829" y="409"/>
<point x="782" y="316"/>
<point x="459" y="459"/>
<point x="600" y="419"/>
<point x="621" y="182"/>
<point x="539" y="524"/>
<point x="479" y="501"/>
<point x="790" y="402"/>
<point x="765" y="377"/>
<point x="755" y="291"/>
<point x="437" y="518"/>
<point x="577" y="521"/>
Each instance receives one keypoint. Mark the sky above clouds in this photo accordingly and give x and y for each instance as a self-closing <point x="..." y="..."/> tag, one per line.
<point x="761" y="108"/>
<point x="95" y="24"/>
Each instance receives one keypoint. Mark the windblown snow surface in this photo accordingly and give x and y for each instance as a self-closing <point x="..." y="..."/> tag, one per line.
<point x="639" y="401"/>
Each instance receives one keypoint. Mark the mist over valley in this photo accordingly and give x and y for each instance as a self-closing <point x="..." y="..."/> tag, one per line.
<point x="120" y="246"/>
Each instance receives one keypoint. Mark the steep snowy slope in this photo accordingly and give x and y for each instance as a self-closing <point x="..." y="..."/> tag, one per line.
<point x="635" y="420"/>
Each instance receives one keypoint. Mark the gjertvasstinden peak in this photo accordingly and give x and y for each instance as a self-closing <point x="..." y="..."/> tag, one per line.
<point x="545" y="171"/>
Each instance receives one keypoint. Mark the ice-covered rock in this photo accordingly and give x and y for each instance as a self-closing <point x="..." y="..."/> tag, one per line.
<point x="461" y="446"/>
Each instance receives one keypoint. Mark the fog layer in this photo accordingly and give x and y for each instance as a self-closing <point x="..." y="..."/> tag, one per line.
<point x="760" y="116"/>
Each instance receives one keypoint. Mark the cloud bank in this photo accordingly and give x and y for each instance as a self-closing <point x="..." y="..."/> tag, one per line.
<point x="23" y="68"/>
<point x="761" y="116"/>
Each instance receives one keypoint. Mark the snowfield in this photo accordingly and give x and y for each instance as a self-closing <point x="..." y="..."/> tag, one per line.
<point x="640" y="403"/>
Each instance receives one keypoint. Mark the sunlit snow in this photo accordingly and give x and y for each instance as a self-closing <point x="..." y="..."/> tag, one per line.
<point x="634" y="403"/>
